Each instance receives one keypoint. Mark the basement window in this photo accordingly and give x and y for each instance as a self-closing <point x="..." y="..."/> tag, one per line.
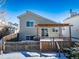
<point x="29" y="37"/>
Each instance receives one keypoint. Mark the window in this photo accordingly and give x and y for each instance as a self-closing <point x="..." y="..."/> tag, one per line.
<point x="55" y="30"/>
<point x="30" y="23"/>
<point x="29" y="37"/>
<point x="44" y="32"/>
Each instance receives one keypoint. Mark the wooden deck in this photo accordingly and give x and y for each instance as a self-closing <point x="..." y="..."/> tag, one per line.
<point x="48" y="44"/>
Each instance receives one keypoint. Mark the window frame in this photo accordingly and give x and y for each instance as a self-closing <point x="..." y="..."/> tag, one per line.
<point x="54" y="30"/>
<point x="30" y="23"/>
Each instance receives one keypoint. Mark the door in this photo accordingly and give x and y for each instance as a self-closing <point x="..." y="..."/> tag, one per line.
<point x="44" y="32"/>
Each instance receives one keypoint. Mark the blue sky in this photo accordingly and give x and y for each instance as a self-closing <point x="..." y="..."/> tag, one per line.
<point x="56" y="10"/>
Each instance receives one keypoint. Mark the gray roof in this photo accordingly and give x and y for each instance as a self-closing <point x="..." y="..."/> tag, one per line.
<point x="29" y="12"/>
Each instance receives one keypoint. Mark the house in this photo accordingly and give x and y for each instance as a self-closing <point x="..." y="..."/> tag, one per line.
<point x="74" y="21"/>
<point x="28" y="29"/>
<point x="34" y="27"/>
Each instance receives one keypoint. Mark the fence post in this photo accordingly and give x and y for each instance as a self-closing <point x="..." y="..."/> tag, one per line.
<point x="40" y="47"/>
<point x="53" y="42"/>
<point x="4" y="45"/>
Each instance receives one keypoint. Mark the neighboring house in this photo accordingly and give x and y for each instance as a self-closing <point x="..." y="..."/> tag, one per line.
<point x="28" y="29"/>
<point x="13" y="27"/>
<point x="72" y="20"/>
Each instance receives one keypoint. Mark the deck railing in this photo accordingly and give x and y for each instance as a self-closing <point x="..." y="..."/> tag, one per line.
<point x="54" y="38"/>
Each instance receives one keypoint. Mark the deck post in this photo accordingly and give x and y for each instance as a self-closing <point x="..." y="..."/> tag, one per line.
<point x="53" y="43"/>
<point x="60" y="32"/>
<point x="37" y="31"/>
<point x="40" y="47"/>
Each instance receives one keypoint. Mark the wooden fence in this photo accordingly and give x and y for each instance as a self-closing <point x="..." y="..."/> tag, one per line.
<point x="21" y="46"/>
<point x="34" y="45"/>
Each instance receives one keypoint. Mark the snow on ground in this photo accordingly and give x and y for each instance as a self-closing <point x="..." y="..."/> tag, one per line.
<point x="31" y="55"/>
